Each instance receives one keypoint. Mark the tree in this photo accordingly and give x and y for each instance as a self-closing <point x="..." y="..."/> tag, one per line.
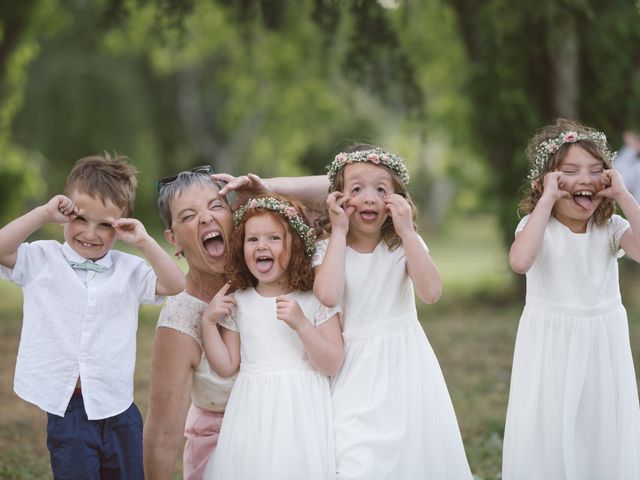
<point x="578" y="58"/>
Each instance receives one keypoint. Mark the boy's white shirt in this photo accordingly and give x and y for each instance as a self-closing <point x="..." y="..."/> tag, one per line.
<point x="78" y="325"/>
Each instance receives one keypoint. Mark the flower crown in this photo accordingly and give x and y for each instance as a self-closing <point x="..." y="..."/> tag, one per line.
<point x="548" y="147"/>
<point x="288" y="211"/>
<point x="376" y="155"/>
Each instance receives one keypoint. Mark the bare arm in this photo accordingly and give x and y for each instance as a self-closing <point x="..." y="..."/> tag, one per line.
<point x="526" y="246"/>
<point x="615" y="188"/>
<point x="420" y="266"/>
<point x="422" y="269"/>
<point x="310" y="190"/>
<point x="174" y="358"/>
<point x="170" y="280"/>
<point x="328" y="285"/>
<point x="323" y="344"/>
<point x="57" y="210"/>
<point x="221" y="346"/>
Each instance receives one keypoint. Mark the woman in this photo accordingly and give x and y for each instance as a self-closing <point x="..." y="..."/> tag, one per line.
<point x="199" y="222"/>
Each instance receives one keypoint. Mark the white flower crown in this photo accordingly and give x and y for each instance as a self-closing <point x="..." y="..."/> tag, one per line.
<point x="376" y="156"/>
<point x="548" y="147"/>
<point x="288" y="211"/>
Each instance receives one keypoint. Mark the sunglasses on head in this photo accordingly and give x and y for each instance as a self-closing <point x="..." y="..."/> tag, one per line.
<point x="202" y="169"/>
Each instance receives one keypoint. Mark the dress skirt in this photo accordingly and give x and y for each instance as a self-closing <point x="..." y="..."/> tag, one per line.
<point x="393" y="416"/>
<point x="277" y="426"/>
<point x="573" y="398"/>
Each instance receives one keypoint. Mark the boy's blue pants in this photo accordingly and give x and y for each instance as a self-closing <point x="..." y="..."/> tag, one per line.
<point x="95" y="449"/>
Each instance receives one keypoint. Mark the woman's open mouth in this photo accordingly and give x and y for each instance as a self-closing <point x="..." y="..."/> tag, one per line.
<point x="213" y="243"/>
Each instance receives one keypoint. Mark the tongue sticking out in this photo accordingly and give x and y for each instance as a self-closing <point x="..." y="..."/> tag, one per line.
<point x="264" y="265"/>
<point x="583" y="200"/>
<point x="214" y="246"/>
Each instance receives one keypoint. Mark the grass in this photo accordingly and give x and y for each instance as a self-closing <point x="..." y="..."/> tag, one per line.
<point x="472" y="330"/>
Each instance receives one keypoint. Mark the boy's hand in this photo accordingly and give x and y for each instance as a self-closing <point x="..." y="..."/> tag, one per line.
<point x="339" y="212"/>
<point x="613" y="185"/>
<point x="400" y="212"/>
<point x="220" y="306"/>
<point x="290" y="313"/>
<point x="130" y="231"/>
<point x="61" y="209"/>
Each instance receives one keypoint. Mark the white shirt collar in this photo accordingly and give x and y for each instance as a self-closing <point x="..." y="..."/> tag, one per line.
<point x="72" y="256"/>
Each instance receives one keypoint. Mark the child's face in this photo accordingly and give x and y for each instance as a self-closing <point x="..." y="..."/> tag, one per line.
<point x="90" y="233"/>
<point x="201" y="225"/>
<point x="367" y="185"/>
<point x="582" y="178"/>
<point x="267" y="252"/>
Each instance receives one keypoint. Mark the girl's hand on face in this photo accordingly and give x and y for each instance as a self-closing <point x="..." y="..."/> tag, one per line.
<point x="400" y="212"/>
<point x="61" y="209"/>
<point x="220" y="306"/>
<point x="553" y="183"/>
<point x="613" y="185"/>
<point x="339" y="211"/>
<point x="289" y="312"/>
<point x="130" y="230"/>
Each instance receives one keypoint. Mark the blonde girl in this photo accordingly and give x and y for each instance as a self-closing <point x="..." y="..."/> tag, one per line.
<point x="393" y="418"/>
<point x="573" y="407"/>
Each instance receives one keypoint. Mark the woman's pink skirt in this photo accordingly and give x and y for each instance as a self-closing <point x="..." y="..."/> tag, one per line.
<point x="202" y="429"/>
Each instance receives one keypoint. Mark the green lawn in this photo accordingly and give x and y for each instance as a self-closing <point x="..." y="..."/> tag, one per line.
<point x="472" y="330"/>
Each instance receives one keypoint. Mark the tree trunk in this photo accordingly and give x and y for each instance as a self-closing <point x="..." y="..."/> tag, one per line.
<point x="563" y="52"/>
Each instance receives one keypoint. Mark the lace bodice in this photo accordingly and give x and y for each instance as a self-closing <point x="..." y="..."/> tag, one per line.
<point x="183" y="312"/>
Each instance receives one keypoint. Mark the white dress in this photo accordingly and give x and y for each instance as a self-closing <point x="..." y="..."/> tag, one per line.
<point x="393" y="417"/>
<point x="573" y="405"/>
<point x="278" y="421"/>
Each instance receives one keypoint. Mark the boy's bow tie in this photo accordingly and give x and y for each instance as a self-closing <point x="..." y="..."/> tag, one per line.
<point x="88" y="265"/>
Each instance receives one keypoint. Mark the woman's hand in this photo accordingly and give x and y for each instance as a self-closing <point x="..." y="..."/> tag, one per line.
<point x="246" y="187"/>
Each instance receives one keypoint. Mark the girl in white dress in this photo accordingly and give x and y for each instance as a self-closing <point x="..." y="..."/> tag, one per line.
<point x="573" y="406"/>
<point x="278" y="421"/>
<point x="393" y="418"/>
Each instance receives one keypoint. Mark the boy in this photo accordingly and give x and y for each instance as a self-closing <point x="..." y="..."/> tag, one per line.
<point x="76" y="356"/>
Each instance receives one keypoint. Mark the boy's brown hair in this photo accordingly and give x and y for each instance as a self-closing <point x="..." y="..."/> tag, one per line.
<point x="107" y="178"/>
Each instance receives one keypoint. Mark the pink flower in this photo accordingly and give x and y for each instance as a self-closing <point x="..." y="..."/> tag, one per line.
<point x="341" y="158"/>
<point x="253" y="203"/>
<point x="570" y="137"/>
<point x="373" y="158"/>
<point x="551" y="147"/>
<point x="290" y="212"/>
